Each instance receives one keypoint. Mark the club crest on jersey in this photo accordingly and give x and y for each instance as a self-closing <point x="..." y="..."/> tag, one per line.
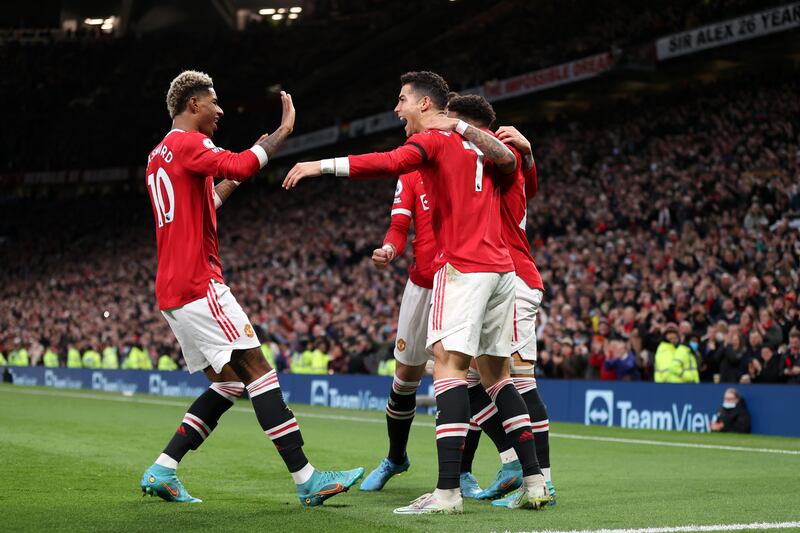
<point x="248" y="330"/>
<point x="401" y="345"/>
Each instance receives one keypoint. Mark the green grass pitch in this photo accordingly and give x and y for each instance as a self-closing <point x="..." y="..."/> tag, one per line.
<point x="71" y="461"/>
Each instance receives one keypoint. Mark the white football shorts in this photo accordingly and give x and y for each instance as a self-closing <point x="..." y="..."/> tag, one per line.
<point x="412" y="326"/>
<point x="472" y="313"/>
<point x="209" y="329"/>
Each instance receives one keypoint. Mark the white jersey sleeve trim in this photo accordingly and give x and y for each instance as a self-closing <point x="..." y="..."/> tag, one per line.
<point x="400" y="211"/>
<point x="261" y="154"/>
<point x="342" y="165"/>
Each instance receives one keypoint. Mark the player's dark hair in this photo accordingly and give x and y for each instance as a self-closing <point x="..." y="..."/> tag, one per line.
<point x="428" y="84"/>
<point x="473" y="108"/>
<point x="187" y="84"/>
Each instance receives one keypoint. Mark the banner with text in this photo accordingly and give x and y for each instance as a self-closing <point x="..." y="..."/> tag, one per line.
<point x="605" y="403"/>
<point x="729" y="31"/>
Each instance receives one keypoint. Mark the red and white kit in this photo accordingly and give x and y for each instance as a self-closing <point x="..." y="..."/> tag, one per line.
<point x="473" y="290"/>
<point x="529" y="288"/>
<point x="200" y="309"/>
<point x="411" y="203"/>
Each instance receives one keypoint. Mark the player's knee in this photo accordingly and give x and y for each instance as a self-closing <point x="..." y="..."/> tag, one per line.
<point x="409" y="373"/>
<point x="249" y="364"/>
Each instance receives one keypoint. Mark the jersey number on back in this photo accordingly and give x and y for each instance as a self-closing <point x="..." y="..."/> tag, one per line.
<point x="158" y="187"/>
<point x="469" y="145"/>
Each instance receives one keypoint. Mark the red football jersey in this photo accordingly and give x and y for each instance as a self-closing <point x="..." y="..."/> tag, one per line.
<point x="411" y="202"/>
<point x="464" y="200"/>
<point x="514" y="212"/>
<point x="180" y="179"/>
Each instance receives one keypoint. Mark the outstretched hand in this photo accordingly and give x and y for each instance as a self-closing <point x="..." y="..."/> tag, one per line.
<point x="310" y="169"/>
<point x="289" y="114"/>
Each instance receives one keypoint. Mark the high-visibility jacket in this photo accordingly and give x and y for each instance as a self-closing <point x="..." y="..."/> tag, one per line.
<point x="319" y="362"/>
<point x="675" y="364"/>
<point x="91" y="359"/>
<point x="387" y="368"/>
<point x="50" y="359"/>
<point x="19" y="358"/>
<point x="3" y="361"/>
<point x="302" y="362"/>
<point x="165" y="362"/>
<point x="74" y="358"/>
<point x="268" y="355"/>
<point x="110" y="358"/>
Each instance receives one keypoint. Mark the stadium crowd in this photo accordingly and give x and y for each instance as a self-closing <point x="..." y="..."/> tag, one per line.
<point x="664" y="227"/>
<point x="121" y="79"/>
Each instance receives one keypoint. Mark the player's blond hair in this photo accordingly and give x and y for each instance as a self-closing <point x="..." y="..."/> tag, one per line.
<point x="183" y="86"/>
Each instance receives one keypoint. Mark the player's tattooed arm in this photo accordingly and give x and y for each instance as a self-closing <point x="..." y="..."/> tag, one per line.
<point x="271" y="143"/>
<point x="504" y="159"/>
<point x="223" y="190"/>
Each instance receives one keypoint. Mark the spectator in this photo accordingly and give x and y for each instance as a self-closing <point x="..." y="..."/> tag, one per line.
<point x="733" y="417"/>
<point x="621" y="361"/>
<point x="767" y="367"/>
<point x="675" y="362"/>
<point x="792" y="358"/>
<point x="731" y="357"/>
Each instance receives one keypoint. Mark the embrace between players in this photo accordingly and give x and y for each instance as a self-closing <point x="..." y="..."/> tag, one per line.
<point x="471" y="299"/>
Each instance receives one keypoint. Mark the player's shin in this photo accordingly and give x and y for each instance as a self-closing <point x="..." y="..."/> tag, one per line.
<point x="199" y="421"/>
<point x="279" y="424"/>
<point x="400" y="410"/>
<point x="484" y="412"/>
<point x="517" y="425"/>
<point x="540" y="424"/>
<point x="452" y="425"/>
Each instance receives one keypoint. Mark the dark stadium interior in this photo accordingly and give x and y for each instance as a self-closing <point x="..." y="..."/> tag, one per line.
<point x="669" y="191"/>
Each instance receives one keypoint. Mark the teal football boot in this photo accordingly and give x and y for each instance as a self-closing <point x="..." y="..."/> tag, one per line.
<point x="469" y="486"/>
<point x="509" y="478"/>
<point x="324" y="485"/>
<point x="383" y="473"/>
<point x="163" y="482"/>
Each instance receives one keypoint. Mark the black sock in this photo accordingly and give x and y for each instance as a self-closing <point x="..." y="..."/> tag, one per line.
<point x="484" y="412"/>
<point x="452" y="425"/>
<point x="470" y="446"/>
<point x="516" y="423"/>
<point x="539" y="421"/>
<point x="400" y="411"/>
<point x="202" y="417"/>
<point x="277" y="420"/>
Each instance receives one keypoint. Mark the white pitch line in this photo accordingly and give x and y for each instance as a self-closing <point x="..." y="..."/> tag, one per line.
<point x="619" y="440"/>
<point x="681" y="529"/>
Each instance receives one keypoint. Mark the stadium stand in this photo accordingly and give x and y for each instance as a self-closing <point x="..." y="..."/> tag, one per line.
<point x="681" y="211"/>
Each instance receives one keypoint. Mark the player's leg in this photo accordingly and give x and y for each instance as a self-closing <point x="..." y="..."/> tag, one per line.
<point x="486" y="419"/>
<point x="199" y="421"/>
<point x="528" y="303"/>
<point x="411" y="357"/>
<point x="494" y="369"/>
<point x="459" y="301"/>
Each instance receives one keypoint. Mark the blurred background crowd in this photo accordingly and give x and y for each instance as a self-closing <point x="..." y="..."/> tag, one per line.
<point x="665" y="229"/>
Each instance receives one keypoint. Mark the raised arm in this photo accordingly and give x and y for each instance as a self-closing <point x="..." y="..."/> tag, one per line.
<point x="401" y="160"/>
<point x="206" y="159"/>
<point x="510" y="135"/>
<point x="504" y="159"/>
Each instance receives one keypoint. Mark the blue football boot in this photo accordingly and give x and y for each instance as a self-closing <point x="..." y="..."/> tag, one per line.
<point x="163" y="482"/>
<point x="324" y="485"/>
<point x="469" y="486"/>
<point x="378" y="477"/>
<point x="509" y="478"/>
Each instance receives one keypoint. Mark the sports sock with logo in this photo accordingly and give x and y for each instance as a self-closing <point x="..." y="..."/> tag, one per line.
<point x="200" y="420"/>
<point x="516" y="423"/>
<point x="484" y="413"/>
<point x="400" y="410"/>
<point x="452" y="425"/>
<point x="279" y="424"/>
<point x="539" y="422"/>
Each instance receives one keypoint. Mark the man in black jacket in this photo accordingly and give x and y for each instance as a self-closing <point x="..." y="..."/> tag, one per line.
<point x="733" y="417"/>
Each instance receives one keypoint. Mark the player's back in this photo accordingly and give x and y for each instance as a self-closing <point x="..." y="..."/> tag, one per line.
<point x="185" y="219"/>
<point x="514" y="211"/>
<point x="465" y="201"/>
